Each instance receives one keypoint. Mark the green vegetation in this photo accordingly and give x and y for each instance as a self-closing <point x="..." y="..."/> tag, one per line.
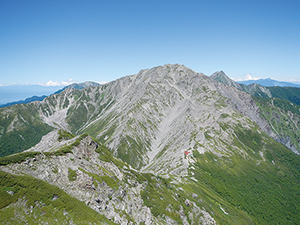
<point x="54" y="202"/>
<point x="291" y="94"/>
<point x="78" y="116"/>
<point x="277" y="102"/>
<point x="72" y="175"/>
<point x="111" y="182"/>
<point x="283" y="116"/>
<point x="66" y="148"/>
<point x="129" y="151"/>
<point x="265" y="190"/>
<point x="106" y="156"/>
<point x="17" y="158"/>
<point x="160" y="196"/>
<point x="78" y="140"/>
<point x="21" y="157"/>
<point x="81" y="113"/>
<point x="23" y="139"/>
<point x="206" y="198"/>
<point x="64" y="135"/>
<point x="20" y="128"/>
<point x="63" y="150"/>
<point x="55" y="170"/>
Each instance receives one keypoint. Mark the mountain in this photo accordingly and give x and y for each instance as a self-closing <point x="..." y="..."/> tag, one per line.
<point x="269" y="83"/>
<point x="64" y="176"/>
<point x="87" y="171"/>
<point x="291" y="94"/>
<point x="79" y="86"/>
<point x="183" y="147"/>
<point x="40" y="98"/>
<point x="278" y="105"/>
<point x="13" y="93"/>
<point x="27" y="100"/>
<point x="253" y="89"/>
<point x="223" y="78"/>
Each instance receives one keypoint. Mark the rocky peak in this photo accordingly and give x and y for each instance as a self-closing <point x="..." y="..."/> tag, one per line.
<point x="223" y="78"/>
<point x="169" y="121"/>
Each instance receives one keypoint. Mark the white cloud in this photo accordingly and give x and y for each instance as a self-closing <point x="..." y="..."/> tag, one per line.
<point x="248" y="77"/>
<point x="52" y="83"/>
<point x="68" y="82"/>
<point x="1" y="85"/>
<point x="56" y="83"/>
<point x="102" y="82"/>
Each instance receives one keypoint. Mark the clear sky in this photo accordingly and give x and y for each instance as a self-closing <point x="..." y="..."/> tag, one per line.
<point x="43" y="41"/>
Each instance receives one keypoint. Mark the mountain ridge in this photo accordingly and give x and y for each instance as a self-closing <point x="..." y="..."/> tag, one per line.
<point x="41" y="98"/>
<point x="268" y="82"/>
<point x="110" y="187"/>
<point x="286" y="108"/>
<point x="186" y="149"/>
<point x="239" y="100"/>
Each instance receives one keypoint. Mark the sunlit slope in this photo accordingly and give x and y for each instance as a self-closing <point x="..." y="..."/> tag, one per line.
<point x="161" y="112"/>
<point x="20" y="128"/>
<point x="263" y="181"/>
<point x="251" y="180"/>
<point x="278" y="105"/>
<point x="26" y="200"/>
<point x="146" y="113"/>
<point x="86" y="170"/>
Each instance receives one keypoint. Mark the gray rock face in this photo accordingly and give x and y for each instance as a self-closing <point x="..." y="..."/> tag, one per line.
<point x="286" y="135"/>
<point x="103" y="186"/>
<point x="223" y="78"/>
<point x="150" y="119"/>
<point x="152" y="115"/>
<point x="155" y="121"/>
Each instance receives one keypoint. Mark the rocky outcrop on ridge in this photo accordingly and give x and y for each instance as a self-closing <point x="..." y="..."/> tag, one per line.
<point x="108" y="189"/>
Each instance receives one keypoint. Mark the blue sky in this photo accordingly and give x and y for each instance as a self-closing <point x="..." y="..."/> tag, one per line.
<point x="43" y="41"/>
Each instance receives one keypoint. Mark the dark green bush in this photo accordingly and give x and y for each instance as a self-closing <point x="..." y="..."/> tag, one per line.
<point x="72" y="175"/>
<point x="18" y="158"/>
<point x="64" y="135"/>
<point x="35" y="190"/>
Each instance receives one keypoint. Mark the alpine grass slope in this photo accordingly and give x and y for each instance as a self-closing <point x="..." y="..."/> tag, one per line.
<point x="280" y="106"/>
<point x="193" y="151"/>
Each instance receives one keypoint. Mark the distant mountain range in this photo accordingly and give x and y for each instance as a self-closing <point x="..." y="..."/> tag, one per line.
<point x="14" y="93"/>
<point x="167" y="145"/>
<point x="27" y="100"/>
<point x="269" y="83"/>
<point x="288" y="93"/>
<point x="19" y="91"/>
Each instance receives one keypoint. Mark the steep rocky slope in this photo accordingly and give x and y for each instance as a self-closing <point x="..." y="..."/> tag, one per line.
<point x="191" y="150"/>
<point x="253" y="89"/>
<point x="221" y="77"/>
<point x="283" y="116"/>
<point x="224" y="186"/>
<point x="20" y="128"/>
<point x="151" y="115"/>
<point x="162" y="112"/>
<point x="87" y="171"/>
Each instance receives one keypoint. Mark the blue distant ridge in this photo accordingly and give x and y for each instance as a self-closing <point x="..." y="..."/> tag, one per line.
<point x="36" y="88"/>
<point x="269" y="83"/>
<point x="27" y="100"/>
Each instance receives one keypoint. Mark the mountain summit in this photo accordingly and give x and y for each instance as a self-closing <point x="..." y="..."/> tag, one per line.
<point x="175" y="144"/>
<point x="223" y="78"/>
